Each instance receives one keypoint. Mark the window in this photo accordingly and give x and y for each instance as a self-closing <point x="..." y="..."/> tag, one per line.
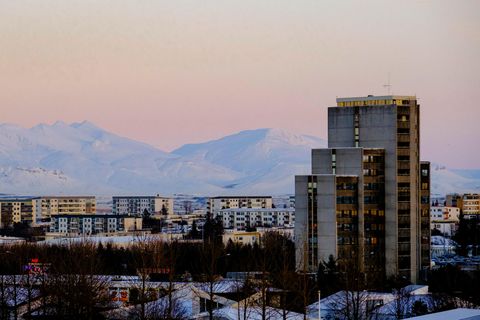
<point x="346" y="200"/>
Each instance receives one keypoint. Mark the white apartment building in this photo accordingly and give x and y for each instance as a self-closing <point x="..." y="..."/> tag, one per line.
<point x="444" y="213"/>
<point x="445" y="219"/>
<point x="136" y="205"/>
<point x="94" y="224"/>
<point x="215" y="204"/>
<point x="242" y="218"/>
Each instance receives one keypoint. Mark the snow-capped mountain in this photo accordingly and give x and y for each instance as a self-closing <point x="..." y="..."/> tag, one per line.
<point x="81" y="158"/>
<point x="445" y="180"/>
<point x="267" y="159"/>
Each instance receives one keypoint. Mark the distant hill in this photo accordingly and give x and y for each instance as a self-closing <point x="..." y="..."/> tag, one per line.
<point x="81" y="158"/>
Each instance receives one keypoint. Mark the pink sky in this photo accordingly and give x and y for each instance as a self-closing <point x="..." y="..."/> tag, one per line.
<point x="172" y="72"/>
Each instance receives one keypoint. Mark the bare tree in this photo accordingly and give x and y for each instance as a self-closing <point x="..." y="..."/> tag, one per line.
<point x="244" y="291"/>
<point x="211" y="253"/>
<point x="400" y="307"/>
<point x="187" y="206"/>
<point x="73" y="284"/>
<point x="147" y="254"/>
<point x="354" y="302"/>
<point x="169" y="306"/>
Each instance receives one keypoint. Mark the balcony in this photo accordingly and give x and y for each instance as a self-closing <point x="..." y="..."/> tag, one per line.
<point x="403" y="124"/>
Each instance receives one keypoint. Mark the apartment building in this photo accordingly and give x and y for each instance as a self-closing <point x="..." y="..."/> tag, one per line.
<point x="70" y="224"/>
<point x="440" y="213"/>
<point x="454" y="200"/>
<point x="215" y="204"/>
<point x="244" y="218"/>
<point x="137" y="205"/>
<point x="471" y="205"/>
<point x="468" y="203"/>
<point x="46" y="207"/>
<point x="367" y="199"/>
<point x="16" y="210"/>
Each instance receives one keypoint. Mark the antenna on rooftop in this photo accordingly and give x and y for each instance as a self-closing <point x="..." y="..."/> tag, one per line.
<point x="388" y="85"/>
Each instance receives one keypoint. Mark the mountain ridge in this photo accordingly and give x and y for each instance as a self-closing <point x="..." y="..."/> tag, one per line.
<point x="81" y="157"/>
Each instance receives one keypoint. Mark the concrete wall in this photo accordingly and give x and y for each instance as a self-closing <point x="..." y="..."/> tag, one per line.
<point x="378" y="129"/>
<point x="326" y="215"/>
<point x="301" y="219"/>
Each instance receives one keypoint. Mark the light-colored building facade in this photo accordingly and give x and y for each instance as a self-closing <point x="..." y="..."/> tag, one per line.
<point x="445" y="214"/>
<point x="471" y="205"/>
<point x="367" y="200"/>
<point x="136" y="205"/>
<point x="468" y="203"/>
<point x="94" y="224"/>
<point x="445" y="220"/>
<point x="244" y="218"/>
<point x="48" y="206"/>
<point x="242" y="237"/>
<point x="215" y="204"/>
<point x="17" y="210"/>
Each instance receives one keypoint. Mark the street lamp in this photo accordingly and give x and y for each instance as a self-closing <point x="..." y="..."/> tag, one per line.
<point x="319" y="306"/>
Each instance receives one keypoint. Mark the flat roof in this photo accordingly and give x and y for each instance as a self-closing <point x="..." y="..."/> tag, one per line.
<point x="372" y="98"/>
<point x="16" y="199"/>
<point x="257" y="209"/>
<point x="94" y="216"/>
<point x="66" y="197"/>
<point x="133" y="197"/>
<point x="455" y="314"/>
<point x="241" y="197"/>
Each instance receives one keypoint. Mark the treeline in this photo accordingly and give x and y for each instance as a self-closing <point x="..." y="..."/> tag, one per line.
<point x="276" y="252"/>
<point x="71" y="286"/>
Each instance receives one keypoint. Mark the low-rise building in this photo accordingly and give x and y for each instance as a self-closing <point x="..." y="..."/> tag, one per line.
<point x="94" y="224"/>
<point x="137" y="205"/>
<point x="244" y="218"/>
<point x="252" y="237"/>
<point x="242" y="237"/>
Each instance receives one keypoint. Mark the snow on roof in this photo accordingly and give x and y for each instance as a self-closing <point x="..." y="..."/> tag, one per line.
<point x="405" y="303"/>
<point x="15" y="296"/>
<point x="442" y="241"/>
<point x="254" y="313"/>
<point x="455" y="314"/>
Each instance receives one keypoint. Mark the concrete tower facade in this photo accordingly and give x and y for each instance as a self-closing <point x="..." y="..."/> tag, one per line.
<point x="374" y="140"/>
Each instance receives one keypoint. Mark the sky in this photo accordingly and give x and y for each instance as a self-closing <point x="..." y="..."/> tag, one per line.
<point x="175" y="72"/>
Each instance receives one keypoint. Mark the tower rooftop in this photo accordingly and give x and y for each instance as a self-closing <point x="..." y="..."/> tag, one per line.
<point x="371" y="100"/>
